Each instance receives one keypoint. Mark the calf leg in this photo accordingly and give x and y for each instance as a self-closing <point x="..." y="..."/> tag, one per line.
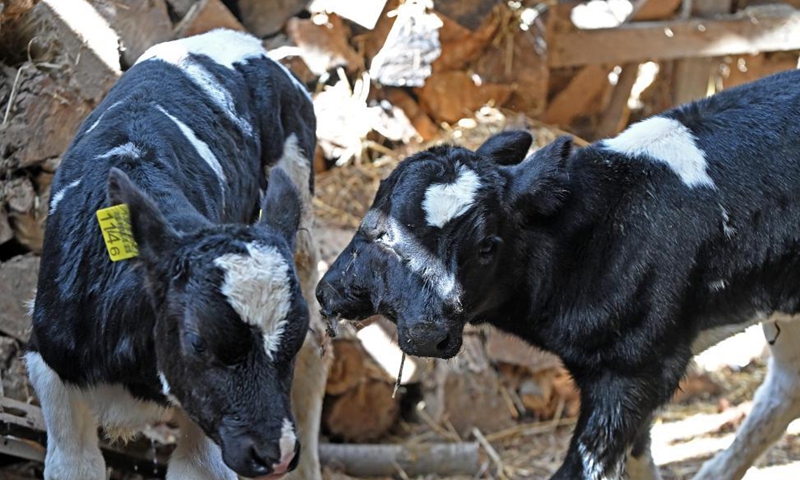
<point x="614" y="407"/>
<point x="776" y="403"/>
<point x="640" y="464"/>
<point x="72" y="449"/>
<point x="195" y="456"/>
<point x="311" y="367"/>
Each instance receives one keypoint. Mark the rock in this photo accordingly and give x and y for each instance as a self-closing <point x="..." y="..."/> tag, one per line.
<point x="74" y="34"/>
<point x="365" y="14"/>
<point x="450" y="96"/>
<point x="6" y="233"/>
<point x="140" y="24"/>
<point x="469" y="13"/>
<point x="27" y="212"/>
<point x="17" y="286"/>
<point x="323" y="44"/>
<point x="265" y="18"/>
<point x="12" y="370"/>
<point x="205" y="16"/>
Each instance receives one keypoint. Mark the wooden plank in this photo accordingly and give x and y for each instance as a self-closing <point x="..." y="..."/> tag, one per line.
<point x="750" y="32"/>
<point x="692" y="75"/>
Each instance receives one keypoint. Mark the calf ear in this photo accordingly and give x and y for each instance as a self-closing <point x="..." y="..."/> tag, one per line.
<point x="538" y="186"/>
<point x="506" y="148"/>
<point x="282" y="206"/>
<point x="151" y="231"/>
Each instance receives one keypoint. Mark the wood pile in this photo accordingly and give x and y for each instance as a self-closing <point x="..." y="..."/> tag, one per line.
<point x="388" y="77"/>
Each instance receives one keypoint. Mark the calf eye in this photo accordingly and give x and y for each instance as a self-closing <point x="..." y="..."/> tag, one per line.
<point x="197" y="343"/>
<point x="488" y="247"/>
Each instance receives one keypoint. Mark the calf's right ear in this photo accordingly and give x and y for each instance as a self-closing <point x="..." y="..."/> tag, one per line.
<point x="506" y="148"/>
<point x="152" y="233"/>
<point x="539" y="185"/>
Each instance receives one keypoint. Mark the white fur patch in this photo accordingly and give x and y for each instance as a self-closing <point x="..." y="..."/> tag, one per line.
<point x="257" y="287"/>
<point x="201" y="147"/>
<point x="60" y="195"/>
<point x="164" y="384"/>
<point x="287" y="442"/>
<point x="72" y="448"/>
<point x="196" y="456"/>
<point x="296" y="165"/>
<point x="124" y="150"/>
<point x="118" y="412"/>
<point x="445" y="201"/>
<point x="417" y="257"/>
<point x="226" y="47"/>
<point x="97" y="122"/>
<point x="667" y="141"/>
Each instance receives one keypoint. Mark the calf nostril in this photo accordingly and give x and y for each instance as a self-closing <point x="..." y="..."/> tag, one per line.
<point x="262" y="460"/>
<point x="442" y="345"/>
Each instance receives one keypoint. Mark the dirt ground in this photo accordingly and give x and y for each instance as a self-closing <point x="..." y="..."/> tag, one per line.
<point x="685" y="435"/>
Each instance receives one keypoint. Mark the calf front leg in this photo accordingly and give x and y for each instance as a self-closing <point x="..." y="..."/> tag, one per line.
<point x="195" y="456"/>
<point x="614" y="407"/>
<point x="73" y="452"/>
<point x="640" y="464"/>
<point x="776" y="404"/>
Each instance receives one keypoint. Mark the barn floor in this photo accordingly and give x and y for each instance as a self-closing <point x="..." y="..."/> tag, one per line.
<point x="684" y="436"/>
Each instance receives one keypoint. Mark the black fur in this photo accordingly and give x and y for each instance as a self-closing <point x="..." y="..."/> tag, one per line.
<point x="604" y="259"/>
<point x="100" y="322"/>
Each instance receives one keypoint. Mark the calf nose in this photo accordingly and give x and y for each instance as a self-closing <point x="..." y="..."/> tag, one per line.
<point x="425" y="340"/>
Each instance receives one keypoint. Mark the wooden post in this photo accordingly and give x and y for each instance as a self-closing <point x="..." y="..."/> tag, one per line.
<point x="692" y="74"/>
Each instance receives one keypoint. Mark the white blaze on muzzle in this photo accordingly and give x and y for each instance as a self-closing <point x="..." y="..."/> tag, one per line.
<point x="287" y="445"/>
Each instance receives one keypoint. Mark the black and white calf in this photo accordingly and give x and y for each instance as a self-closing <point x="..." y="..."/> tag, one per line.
<point x="624" y="258"/>
<point x="206" y="322"/>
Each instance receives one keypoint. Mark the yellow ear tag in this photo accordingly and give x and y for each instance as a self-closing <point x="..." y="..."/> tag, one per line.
<point x="115" y="222"/>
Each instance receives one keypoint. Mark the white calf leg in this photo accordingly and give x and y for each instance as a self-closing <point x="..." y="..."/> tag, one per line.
<point x="72" y="449"/>
<point x="776" y="403"/>
<point x="196" y="457"/>
<point x="642" y="467"/>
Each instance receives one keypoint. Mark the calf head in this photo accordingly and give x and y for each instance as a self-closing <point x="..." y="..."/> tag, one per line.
<point x="230" y="321"/>
<point x="443" y="242"/>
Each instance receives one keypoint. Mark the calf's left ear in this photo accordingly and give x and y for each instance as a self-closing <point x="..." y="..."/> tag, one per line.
<point x="282" y="208"/>
<point x="539" y="185"/>
<point x="153" y="234"/>
<point x="506" y="148"/>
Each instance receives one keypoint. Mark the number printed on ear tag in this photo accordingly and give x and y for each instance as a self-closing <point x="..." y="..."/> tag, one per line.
<point x="115" y="223"/>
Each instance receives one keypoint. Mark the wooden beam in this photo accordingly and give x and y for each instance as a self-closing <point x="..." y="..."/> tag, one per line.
<point x="693" y="74"/>
<point x="751" y="32"/>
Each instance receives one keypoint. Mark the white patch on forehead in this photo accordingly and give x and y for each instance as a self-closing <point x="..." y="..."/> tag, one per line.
<point x="667" y="141"/>
<point x="97" y="122"/>
<point x="287" y="442"/>
<point x="445" y="201"/>
<point x="225" y="47"/>
<point x="200" y="146"/>
<point x="257" y="287"/>
<point x="124" y="150"/>
<point x="60" y="195"/>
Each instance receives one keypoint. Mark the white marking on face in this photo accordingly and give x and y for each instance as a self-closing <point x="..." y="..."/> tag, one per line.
<point x="667" y="141"/>
<point x="97" y="122"/>
<point x="287" y="443"/>
<point x="445" y="201"/>
<point x="60" y="195"/>
<point x="124" y="150"/>
<point x="200" y="146"/>
<point x="226" y="47"/>
<point x="417" y="257"/>
<point x="257" y="286"/>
